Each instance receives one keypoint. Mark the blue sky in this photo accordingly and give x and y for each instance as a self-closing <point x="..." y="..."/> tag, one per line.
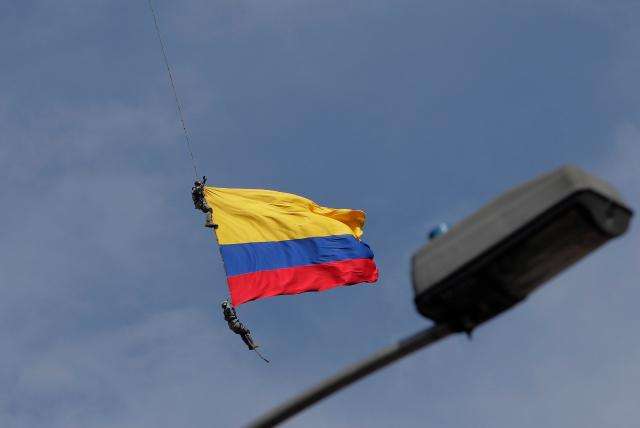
<point x="414" y="111"/>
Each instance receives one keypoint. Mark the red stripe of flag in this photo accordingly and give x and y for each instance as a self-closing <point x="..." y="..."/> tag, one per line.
<point x="301" y="279"/>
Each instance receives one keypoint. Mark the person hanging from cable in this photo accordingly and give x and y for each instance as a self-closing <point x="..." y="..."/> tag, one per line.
<point x="231" y="317"/>
<point x="200" y="203"/>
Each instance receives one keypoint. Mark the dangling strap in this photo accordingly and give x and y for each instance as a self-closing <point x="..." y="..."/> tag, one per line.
<point x="260" y="355"/>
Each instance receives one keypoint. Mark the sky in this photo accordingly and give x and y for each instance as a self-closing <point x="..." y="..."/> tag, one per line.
<point x="415" y="111"/>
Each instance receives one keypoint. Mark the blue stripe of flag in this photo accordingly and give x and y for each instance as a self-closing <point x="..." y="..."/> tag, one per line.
<point x="259" y="256"/>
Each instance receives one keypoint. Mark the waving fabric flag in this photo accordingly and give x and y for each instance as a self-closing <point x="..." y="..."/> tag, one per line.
<point x="275" y="243"/>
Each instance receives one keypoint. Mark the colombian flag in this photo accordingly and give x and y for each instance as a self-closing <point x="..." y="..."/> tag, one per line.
<point x="275" y="243"/>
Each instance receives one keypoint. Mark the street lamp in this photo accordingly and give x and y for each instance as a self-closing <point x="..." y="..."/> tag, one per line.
<point x="491" y="261"/>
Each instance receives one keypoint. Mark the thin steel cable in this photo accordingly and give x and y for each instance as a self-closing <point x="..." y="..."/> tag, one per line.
<point x="187" y="137"/>
<point x="260" y="355"/>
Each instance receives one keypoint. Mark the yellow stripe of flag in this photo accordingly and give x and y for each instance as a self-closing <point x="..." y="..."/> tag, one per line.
<point x="256" y="215"/>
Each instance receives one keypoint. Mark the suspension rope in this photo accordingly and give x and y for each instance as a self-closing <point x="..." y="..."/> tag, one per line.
<point x="187" y="137"/>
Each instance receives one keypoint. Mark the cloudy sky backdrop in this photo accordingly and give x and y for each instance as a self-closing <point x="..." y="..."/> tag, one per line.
<point x="415" y="111"/>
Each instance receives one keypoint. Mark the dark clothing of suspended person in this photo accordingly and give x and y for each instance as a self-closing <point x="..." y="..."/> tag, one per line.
<point x="200" y="203"/>
<point x="236" y="326"/>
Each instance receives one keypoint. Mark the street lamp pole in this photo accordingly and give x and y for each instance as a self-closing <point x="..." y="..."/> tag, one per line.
<point x="354" y="373"/>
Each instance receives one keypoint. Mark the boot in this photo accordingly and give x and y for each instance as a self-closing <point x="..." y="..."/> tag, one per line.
<point x="209" y="222"/>
<point x="248" y="340"/>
